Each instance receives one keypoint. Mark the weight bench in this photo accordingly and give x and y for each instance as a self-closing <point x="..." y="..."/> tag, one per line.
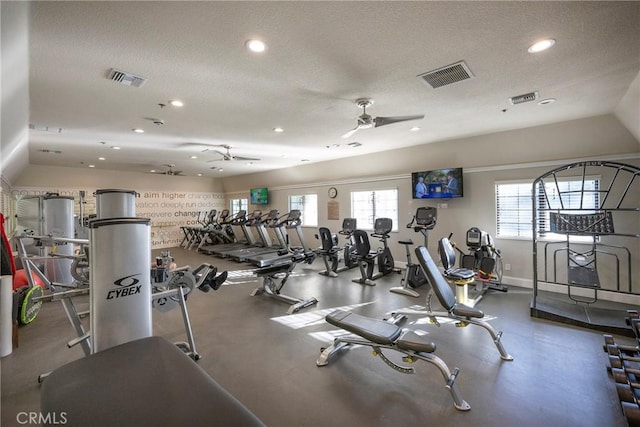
<point x="463" y="314"/>
<point x="379" y="335"/>
<point x="146" y="382"/>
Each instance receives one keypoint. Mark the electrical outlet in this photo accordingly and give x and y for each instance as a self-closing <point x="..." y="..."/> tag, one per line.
<point x="507" y="267"/>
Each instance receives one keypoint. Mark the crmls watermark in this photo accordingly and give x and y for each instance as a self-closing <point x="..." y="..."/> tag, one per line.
<point x="38" y="418"/>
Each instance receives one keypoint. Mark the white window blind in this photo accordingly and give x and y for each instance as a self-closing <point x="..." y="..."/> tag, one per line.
<point x="366" y="206"/>
<point x="307" y="204"/>
<point x="514" y="206"/>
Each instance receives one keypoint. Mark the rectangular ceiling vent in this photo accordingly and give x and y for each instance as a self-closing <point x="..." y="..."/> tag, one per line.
<point x="447" y="75"/>
<point x="45" y="128"/>
<point x="125" y="78"/>
<point x="521" y="99"/>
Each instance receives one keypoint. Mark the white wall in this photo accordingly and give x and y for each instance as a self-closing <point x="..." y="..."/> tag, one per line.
<point x="628" y="110"/>
<point x="520" y="154"/>
<point x="14" y="49"/>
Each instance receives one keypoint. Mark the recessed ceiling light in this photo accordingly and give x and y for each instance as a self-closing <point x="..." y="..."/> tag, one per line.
<point x="115" y="148"/>
<point x="101" y="158"/>
<point x="415" y="129"/>
<point x="176" y="103"/>
<point x="547" y="101"/>
<point x="194" y="157"/>
<point x="255" y="45"/>
<point x="92" y="166"/>
<point x="541" y="45"/>
<point x="152" y="171"/>
<point x="199" y="174"/>
<point x="279" y="130"/>
<point x="138" y="130"/>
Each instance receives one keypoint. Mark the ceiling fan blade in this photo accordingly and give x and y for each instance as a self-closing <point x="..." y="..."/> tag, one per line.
<point x="351" y="132"/>
<point x="244" y="158"/>
<point x="383" y="121"/>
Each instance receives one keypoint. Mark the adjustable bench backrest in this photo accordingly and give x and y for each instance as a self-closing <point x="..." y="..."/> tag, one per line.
<point x="447" y="253"/>
<point x="440" y="286"/>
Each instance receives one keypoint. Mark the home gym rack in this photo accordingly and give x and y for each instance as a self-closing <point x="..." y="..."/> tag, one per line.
<point x="586" y="239"/>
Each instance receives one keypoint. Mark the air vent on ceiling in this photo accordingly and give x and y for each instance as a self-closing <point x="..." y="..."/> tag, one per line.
<point x="447" y="75"/>
<point x="44" y="150"/>
<point x="521" y="99"/>
<point x="126" y="78"/>
<point x="45" y="128"/>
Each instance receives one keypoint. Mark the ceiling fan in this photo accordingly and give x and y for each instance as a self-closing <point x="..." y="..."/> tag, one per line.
<point x="365" y="121"/>
<point x="170" y="171"/>
<point x="226" y="156"/>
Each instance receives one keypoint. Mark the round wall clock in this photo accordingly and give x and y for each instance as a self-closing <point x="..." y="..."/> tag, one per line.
<point x="333" y="192"/>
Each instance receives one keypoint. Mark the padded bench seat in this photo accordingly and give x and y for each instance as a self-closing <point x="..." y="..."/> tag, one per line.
<point x="147" y="382"/>
<point x="379" y="331"/>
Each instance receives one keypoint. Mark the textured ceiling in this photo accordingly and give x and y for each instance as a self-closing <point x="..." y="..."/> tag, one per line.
<point x="321" y="57"/>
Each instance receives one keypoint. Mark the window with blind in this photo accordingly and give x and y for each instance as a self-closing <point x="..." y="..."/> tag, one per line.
<point x="366" y="206"/>
<point x="237" y="205"/>
<point x="307" y="204"/>
<point x="514" y="206"/>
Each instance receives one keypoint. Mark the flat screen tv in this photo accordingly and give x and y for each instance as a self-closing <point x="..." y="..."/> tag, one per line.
<point x="259" y="196"/>
<point x="437" y="184"/>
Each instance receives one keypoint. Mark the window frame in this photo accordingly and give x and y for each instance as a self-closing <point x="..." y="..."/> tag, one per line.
<point x="243" y="203"/>
<point x="306" y="211"/>
<point x="366" y="225"/>
<point x="542" y="217"/>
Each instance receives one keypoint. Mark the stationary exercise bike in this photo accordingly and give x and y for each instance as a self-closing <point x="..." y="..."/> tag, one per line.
<point x="382" y="256"/>
<point x="381" y="229"/>
<point x="331" y="251"/>
<point x="413" y="277"/>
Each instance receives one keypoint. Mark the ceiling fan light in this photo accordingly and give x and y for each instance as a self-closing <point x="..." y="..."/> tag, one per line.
<point x="176" y="103"/>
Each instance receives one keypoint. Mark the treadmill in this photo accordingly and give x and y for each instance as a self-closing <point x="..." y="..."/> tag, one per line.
<point x="279" y="229"/>
<point x="238" y="220"/>
<point x="293" y="221"/>
<point x="266" y="245"/>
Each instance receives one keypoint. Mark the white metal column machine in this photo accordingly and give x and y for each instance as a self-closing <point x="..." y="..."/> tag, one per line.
<point x="120" y="281"/>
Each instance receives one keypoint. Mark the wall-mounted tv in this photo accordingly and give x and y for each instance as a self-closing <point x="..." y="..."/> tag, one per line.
<point x="259" y="196"/>
<point x="437" y="184"/>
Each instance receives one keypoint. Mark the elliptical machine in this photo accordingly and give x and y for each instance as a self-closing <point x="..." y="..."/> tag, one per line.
<point x="413" y="277"/>
<point x="484" y="258"/>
